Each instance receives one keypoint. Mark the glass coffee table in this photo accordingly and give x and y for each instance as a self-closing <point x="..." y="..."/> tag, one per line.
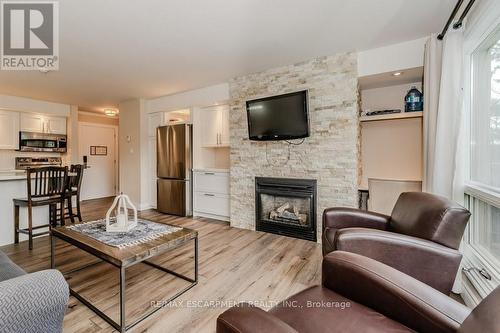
<point x="124" y="258"/>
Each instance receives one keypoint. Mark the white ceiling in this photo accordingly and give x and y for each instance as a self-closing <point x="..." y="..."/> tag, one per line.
<point x="112" y="50"/>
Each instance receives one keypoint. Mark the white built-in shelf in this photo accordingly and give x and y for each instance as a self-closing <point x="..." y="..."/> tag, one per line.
<point x="392" y="116"/>
<point x="222" y="145"/>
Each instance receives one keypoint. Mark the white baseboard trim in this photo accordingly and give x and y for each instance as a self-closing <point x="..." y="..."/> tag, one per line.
<point x="144" y="206"/>
<point x="212" y="216"/>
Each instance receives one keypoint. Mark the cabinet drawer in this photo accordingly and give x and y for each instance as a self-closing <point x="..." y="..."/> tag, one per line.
<point x="212" y="182"/>
<point x="210" y="203"/>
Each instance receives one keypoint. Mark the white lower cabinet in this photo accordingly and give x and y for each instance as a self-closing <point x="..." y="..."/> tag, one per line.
<point x="211" y="203"/>
<point x="211" y="194"/>
<point x="211" y="182"/>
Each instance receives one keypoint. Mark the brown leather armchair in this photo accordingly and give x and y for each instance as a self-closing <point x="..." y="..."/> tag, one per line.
<point x="360" y="294"/>
<point x="420" y="238"/>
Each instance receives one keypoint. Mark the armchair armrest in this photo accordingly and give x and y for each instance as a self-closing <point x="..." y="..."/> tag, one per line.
<point x="341" y="217"/>
<point x="33" y="302"/>
<point x="392" y="293"/>
<point x="246" y="318"/>
<point x="427" y="261"/>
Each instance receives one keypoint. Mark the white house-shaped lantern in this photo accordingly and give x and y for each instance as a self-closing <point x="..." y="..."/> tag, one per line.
<point x="120" y="208"/>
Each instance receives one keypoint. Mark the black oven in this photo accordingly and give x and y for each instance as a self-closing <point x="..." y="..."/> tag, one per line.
<point x="43" y="142"/>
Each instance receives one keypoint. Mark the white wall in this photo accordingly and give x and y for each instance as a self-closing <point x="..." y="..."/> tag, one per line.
<point x="33" y="105"/>
<point x="130" y="147"/>
<point x="409" y="54"/>
<point x="145" y="176"/>
<point x="198" y="97"/>
<point x="73" y="137"/>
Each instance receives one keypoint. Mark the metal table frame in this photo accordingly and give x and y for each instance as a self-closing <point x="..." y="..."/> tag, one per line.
<point x="122" y="326"/>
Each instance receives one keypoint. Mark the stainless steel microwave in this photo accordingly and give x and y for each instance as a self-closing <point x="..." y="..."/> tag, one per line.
<point x="44" y="142"/>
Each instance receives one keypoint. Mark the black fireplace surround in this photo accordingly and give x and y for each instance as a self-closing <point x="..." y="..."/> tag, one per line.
<point x="286" y="206"/>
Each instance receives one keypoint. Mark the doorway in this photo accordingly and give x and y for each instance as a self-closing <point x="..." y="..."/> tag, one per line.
<point x="98" y="143"/>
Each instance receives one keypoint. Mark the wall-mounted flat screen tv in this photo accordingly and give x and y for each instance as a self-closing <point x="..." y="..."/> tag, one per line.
<point x="283" y="117"/>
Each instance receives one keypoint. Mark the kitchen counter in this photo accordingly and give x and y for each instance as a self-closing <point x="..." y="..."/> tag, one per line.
<point x="210" y="170"/>
<point x="12" y="175"/>
<point x="13" y="185"/>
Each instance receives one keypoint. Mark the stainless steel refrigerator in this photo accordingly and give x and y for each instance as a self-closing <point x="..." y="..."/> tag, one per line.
<point x="174" y="169"/>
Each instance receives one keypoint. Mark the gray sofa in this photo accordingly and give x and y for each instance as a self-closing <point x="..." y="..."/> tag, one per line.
<point x="34" y="302"/>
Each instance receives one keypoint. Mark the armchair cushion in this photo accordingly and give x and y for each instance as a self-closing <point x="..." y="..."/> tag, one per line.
<point x="429" y="261"/>
<point x="320" y="310"/>
<point x="430" y="217"/>
<point x="247" y="318"/>
<point x="8" y="269"/>
<point x="484" y="317"/>
<point x="392" y="293"/>
<point x="339" y="218"/>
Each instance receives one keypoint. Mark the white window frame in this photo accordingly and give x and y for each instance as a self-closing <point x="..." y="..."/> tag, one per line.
<point x="484" y="20"/>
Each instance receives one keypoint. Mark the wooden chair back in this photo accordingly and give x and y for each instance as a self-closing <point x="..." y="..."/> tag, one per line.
<point x="47" y="181"/>
<point x="75" y="180"/>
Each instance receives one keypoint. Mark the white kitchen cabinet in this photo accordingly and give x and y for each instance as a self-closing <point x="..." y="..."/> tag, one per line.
<point x="31" y="122"/>
<point x="39" y="123"/>
<point x="211" y="194"/>
<point x="210" y="129"/>
<point x="9" y="129"/>
<point x="213" y="182"/>
<point x="55" y="125"/>
<point x="212" y="205"/>
<point x="215" y="126"/>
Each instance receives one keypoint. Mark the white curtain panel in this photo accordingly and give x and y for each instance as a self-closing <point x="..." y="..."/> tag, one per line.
<point x="443" y="100"/>
<point x="432" y="81"/>
<point x="441" y="166"/>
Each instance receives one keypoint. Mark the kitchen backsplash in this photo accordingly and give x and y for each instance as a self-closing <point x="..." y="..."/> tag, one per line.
<point x="8" y="157"/>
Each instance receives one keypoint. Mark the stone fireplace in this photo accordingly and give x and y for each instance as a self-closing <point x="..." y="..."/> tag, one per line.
<point x="329" y="155"/>
<point x="286" y="206"/>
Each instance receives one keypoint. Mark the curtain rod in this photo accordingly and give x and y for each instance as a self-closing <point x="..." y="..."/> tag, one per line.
<point x="458" y="24"/>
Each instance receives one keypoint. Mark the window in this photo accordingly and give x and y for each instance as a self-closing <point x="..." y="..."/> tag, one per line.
<point x="485" y="115"/>
<point x="482" y="190"/>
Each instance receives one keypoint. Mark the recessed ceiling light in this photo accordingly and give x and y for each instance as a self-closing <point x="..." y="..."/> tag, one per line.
<point x="110" y="112"/>
<point x="397" y="73"/>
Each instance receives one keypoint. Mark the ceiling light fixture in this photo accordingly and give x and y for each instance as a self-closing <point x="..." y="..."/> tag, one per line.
<point x="397" y="73"/>
<point x="110" y="112"/>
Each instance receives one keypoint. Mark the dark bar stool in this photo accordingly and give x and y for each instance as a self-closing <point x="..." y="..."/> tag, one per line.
<point x="75" y="177"/>
<point x="46" y="186"/>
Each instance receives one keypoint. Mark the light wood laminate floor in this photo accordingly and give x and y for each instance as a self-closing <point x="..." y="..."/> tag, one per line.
<point x="234" y="265"/>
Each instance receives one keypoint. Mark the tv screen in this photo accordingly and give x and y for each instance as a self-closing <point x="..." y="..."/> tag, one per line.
<point x="282" y="117"/>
